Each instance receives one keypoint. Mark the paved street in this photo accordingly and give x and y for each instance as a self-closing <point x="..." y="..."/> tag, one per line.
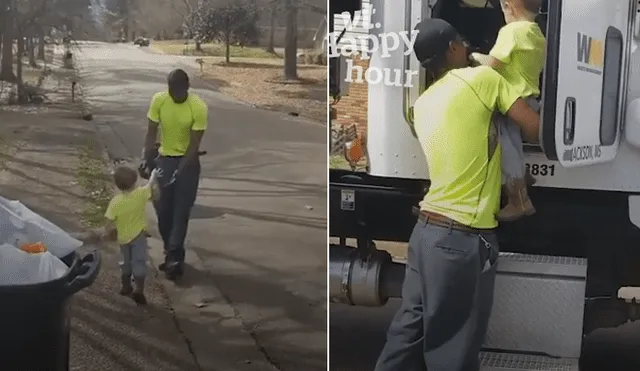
<point x="257" y="240"/>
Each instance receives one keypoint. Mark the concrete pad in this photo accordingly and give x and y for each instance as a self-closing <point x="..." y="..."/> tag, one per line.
<point x="208" y="321"/>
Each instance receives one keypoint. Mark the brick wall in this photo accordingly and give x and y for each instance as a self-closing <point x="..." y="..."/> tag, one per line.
<point x="352" y="108"/>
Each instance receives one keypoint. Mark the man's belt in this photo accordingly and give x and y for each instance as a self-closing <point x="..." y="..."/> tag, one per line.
<point x="442" y="221"/>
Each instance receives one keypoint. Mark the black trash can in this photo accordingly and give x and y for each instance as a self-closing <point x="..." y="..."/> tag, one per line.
<point x="34" y="319"/>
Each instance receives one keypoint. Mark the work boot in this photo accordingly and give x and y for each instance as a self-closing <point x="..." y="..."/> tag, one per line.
<point x="126" y="288"/>
<point x="163" y="266"/>
<point x="138" y="292"/>
<point x="173" y="270"/>
<point x="519" y="204"/>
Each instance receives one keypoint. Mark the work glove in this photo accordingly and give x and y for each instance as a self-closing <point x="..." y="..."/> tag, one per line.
<point x="148" y="162"/>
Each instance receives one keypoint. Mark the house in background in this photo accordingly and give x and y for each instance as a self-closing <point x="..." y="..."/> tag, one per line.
<point x="352" y="108"/>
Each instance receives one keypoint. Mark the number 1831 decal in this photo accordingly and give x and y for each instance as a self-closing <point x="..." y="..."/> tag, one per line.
<point x="541" y="169"/>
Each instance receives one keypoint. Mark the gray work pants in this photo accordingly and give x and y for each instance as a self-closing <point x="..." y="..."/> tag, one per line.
<point x="511" y="142"/>
<point x="447" y="297"/>
<point x="134" y="257"/>
<point x="174" y="206"/>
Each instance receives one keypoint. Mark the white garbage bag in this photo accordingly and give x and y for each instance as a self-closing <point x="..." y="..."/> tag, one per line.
<point x="19" y="225"/>
<point x="21" y="268"/>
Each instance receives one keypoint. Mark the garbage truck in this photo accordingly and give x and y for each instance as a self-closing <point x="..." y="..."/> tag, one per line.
<point x="571" y="268"/>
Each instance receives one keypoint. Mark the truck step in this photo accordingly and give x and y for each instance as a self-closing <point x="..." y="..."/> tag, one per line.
<point x="538" y="305"/>
<point x="523" y="362"/>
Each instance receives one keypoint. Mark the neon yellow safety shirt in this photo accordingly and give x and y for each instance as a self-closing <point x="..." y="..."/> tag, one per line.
<point x="176" y="120"/>
<point x="128" y="212"/>
<point x="521" y="49"/>
<point x="452" y="121"/>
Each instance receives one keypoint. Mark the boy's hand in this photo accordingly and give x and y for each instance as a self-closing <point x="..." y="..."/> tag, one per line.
<point x="473" y="60"/>
<point x="110" y="235"/>
<point x="88" y="237"/>
<point x="110" y="232"/>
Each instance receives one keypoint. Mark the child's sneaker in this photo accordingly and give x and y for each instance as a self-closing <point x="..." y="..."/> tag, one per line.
<point x="126" y="288"/>
<point x="139" y="298"/>
<point x="138" y="293"/>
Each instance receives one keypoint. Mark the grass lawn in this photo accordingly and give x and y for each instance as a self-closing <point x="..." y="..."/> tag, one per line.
<point x="178" y="47"/>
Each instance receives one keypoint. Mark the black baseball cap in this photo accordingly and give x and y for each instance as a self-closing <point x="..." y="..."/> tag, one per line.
<point x="433" y="39"/>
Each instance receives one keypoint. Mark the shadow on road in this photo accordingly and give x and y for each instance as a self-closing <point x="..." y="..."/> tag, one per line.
<point x="124" y="78"/>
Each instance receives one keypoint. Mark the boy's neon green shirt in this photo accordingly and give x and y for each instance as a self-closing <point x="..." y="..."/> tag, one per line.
<point x="128" y="212"/>
<point x="521" y="49"/>
<point x="453" y="123"/>
<point x="177" y="120"/>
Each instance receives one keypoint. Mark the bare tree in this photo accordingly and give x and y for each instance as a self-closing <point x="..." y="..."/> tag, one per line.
<point x="23" y="20"/>
<point x="272" y="26"/>
<point x="233" y="22"/>
<point x="8" y="32"/>
<point x="291" y="41"/>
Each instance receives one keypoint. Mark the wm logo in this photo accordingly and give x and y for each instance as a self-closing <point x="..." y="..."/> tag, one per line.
<point x="590" y="52"/>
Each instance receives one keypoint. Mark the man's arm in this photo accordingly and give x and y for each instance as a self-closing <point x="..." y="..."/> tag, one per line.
<point x="527" y="119"/>
<point x="150" y="138"/>
<point x="506" y="99"/>
<point x="192" y="150"/>
<point x="200" y="124"/>
<point x="153" y="117"/>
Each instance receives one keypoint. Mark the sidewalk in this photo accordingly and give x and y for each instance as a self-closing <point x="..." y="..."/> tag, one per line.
<point x="53" y="162"/>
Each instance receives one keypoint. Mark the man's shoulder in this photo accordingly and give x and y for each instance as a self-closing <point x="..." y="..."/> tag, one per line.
<point x="479" y="73"/>
<point x="197" y="100"/>
<point x="160" y="96"/>
<point x="468" y="76"/>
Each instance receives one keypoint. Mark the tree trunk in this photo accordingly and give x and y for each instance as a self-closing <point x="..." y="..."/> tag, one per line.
<point x="19" y="59"/>
<point x="6" y="67"/>
<point x="21" y="95"/>
<point x="31" y="53"/>
<point x="272" y="29"/>
<point x="291" y="42"/>
<point x="227" y="42"/>
<point x="41" y="49"/>
<point x="227" y="39"/>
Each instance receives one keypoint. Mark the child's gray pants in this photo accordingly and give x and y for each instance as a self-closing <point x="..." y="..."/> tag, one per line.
<point x="511" y="142"/>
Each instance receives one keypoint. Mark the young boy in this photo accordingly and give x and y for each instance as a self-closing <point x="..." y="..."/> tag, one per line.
<point x="519" y="56"/>
<point x="127" y="222"/>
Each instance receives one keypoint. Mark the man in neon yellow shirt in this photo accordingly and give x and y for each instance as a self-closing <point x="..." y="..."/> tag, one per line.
<point x="448" y="288"/>
<point x="181" y="117"/>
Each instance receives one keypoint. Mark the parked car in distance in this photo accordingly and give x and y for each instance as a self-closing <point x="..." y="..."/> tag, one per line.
<point x="141" y="41"/>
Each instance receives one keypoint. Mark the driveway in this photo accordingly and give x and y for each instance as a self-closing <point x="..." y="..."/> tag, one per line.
<point x="258" y="232"/>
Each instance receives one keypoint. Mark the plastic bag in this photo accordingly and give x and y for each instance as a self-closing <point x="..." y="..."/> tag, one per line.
<point x="19" y="225"/>
<point x="18" y="267"/>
